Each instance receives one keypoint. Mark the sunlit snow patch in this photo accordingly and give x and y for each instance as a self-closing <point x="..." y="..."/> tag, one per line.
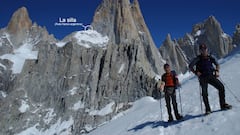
<point x="19" y="56"/>
<point x="91" y="38"/>
<point x="61" y="44"/>
<point x="59" y="128"/>
<point x="104" y="111"/>
<point x="24" y="107"/>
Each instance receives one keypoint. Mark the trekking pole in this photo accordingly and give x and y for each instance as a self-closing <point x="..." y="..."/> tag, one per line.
<point x="180" y="99"/>
<point x="161" y="105"/>
<point x="232" y="93"/>
<point x="200" y="94"/>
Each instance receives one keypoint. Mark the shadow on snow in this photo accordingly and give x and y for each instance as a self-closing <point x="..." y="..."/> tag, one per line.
<point x="155" y="124"/>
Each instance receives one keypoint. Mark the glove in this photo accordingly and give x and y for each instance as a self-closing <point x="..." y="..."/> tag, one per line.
<point x="161" y="88"/>
<point x="198" y="73"/>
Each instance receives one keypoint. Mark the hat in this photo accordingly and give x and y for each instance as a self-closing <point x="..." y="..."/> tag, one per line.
<point x="165" y="65"/>
<point x="202" y="47"/>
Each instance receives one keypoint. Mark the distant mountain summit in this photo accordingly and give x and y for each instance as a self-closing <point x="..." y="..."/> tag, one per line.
<point x="20" y="21"/>
<point x="211" y="33"/>
<point x="19" y="26"/>
<point x="180" y="52"/>
<point x="173" y="54"/>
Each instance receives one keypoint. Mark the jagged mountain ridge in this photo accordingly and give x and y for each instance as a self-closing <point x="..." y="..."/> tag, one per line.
<point x="71" y="83"/>
<point x="208" y="32"/>
<point x="67" y="81"/>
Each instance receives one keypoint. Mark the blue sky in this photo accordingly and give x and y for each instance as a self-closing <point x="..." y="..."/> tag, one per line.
<point x="162" y="17"/>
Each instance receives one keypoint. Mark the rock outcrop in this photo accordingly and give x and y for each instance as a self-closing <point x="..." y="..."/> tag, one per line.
<point x="236" y="36"/>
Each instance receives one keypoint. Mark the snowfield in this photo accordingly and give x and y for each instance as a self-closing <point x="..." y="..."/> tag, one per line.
<point x="144" y="118"/>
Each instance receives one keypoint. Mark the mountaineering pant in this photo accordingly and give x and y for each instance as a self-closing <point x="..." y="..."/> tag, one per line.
<point x="170" y="93"/>
<point x="211" y="79"/>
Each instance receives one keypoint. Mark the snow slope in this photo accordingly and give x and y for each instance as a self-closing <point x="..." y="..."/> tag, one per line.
<point x="144" y="117"/>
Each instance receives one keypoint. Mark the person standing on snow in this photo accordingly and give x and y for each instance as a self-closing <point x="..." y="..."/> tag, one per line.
<point x="168" y="85"/>
<point x="203" y="67"/>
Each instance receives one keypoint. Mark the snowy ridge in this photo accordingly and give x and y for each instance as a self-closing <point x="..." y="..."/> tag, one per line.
<point x="144" y="117"/>
<point x="91" y="38"/>
<point x="87" y="38"/>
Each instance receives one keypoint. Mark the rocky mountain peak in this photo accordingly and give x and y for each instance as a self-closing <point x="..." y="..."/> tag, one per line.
<point x="212" y="24"/>
<point x="114" y="18"/>
<point x="20" y="21"/>
<point x="120" y="20"/>
<point x="172" y="54"/>
<point x="210" y="32"/>
<point x="168" y="40"/>
<point x="236" y="35"/>
<point x="19" y="26"/>
<point x="123" y="23"/>
<point x="136" y="3"/>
